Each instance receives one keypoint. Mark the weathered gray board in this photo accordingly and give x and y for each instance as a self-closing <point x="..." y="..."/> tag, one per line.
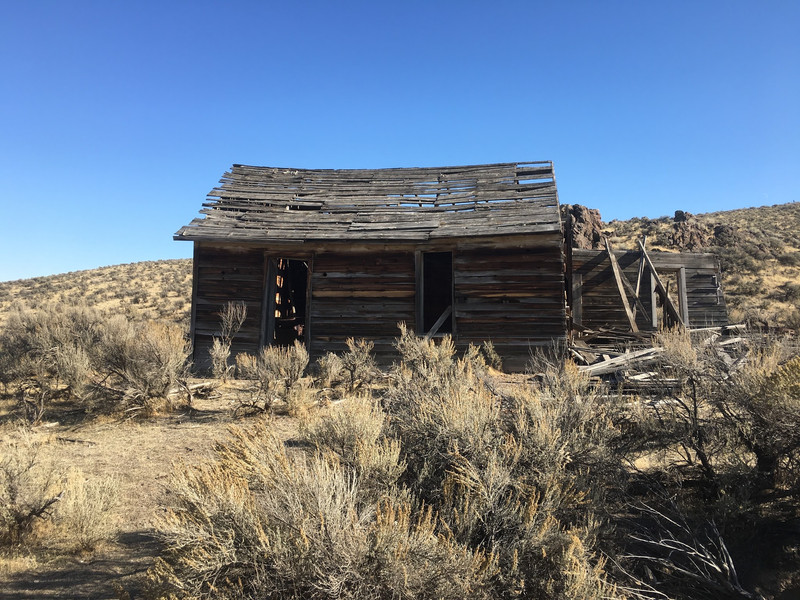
<point x="596" y="301"/>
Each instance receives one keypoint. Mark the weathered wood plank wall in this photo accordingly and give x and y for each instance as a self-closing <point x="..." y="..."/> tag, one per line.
<point x="600" y="302"/>
<point x="513" y="297"/>
<point x="361" y="296"/>
<point x="226" y="274"/>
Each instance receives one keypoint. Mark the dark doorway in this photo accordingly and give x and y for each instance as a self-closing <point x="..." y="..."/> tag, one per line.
<point x="287" y="301"/>
<point x="437" y="292"/>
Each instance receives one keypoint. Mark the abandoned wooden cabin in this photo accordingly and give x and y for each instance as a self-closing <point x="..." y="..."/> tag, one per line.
<point x="475" y="252"/>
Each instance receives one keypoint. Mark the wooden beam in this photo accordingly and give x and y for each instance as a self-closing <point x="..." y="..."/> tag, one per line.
<point x="439" y="322"/>
<point x="683" y="299"/>
<point x="619" y="277"/>
<point x="269" y="301"/>
<point x="653" y="301"/>
<point x="669" y="307"/>
<point x="264" y="303"/>
<point x="640" y="274"/>
<point x="577" y="299"/>
<point x="418" y="281"/>
<point x="195" y="278"/>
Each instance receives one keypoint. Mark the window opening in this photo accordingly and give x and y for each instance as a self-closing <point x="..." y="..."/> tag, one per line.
<point x="437" y="293"/>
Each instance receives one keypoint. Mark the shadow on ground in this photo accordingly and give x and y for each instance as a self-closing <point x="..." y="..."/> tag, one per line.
<point x="90" y="578"/>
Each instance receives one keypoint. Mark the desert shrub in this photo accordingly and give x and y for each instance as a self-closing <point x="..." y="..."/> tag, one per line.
<point x="345" y="426"/>
<point x="300" y="399"/>
<point x="789" y="259"/>
<point x="232" y="317"/>
<point x="565" y="428"/>
<point x="29" y="487"/>
<point x="790" y="292"/>
<point x="491" y="356"/>
<point x="144" y="360"/>
<point x="762" y="401"/>
<point x="82" y="517"/>
<point x="219" y="353"/>
<point x="75" y="352"/>
<point x="329" y="369"/>
<point x="509" y="475"/>
<point x="358" y="363"/>
<point x="49" y="352"/>
<point x="274" y="372"/>
<point x="259" y="523"/>
<point x="424" y="358"/>
<point x="729" y="424"/>
<point x="354" y="430"/>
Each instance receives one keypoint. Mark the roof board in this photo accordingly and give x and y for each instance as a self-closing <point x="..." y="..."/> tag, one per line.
<point x="263" y="204"/>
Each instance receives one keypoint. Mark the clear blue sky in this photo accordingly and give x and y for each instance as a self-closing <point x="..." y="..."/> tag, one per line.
<point x="116" y="118"/>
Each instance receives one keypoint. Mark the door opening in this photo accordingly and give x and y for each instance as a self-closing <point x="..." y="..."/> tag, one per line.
<point x="287" y="301"/>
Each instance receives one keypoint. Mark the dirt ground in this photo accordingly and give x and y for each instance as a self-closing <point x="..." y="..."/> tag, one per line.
<point x="140" y="453"/>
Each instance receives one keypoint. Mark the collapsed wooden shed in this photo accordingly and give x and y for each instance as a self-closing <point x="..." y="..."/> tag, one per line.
<point x="690" y="294"/>
<point x="476" y="252"/>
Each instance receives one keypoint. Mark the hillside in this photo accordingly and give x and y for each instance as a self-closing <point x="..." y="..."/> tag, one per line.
<point x="159" y="290"/>
<point x="759" y="251"/>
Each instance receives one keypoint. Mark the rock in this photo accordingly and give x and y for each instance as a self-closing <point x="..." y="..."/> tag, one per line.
<point x="726" y="235"/>
<point x="586" y="226"/>
<point x="688" y="235"/>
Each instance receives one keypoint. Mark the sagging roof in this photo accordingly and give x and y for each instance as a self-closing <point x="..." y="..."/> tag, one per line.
<point x="265" y="204"/>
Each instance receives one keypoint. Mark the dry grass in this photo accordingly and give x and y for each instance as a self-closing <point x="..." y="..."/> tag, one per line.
<point x="138" y="456"/>
<point x="152" y="290"/>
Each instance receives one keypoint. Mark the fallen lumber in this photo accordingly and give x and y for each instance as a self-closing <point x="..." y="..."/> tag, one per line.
<point x="626" y="359"/>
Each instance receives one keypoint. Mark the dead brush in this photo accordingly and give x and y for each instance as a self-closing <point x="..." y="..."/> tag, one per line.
<point x="83" y="516"/>
<point x="29" y="487"/>
<point x="259" y="522"/>
<point x="274" y="373"/>
<point x="143" y="362"/>
<point x="354" y="430"/>
<point x="232" y="317"/>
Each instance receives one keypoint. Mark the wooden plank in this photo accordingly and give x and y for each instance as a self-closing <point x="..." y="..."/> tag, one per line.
<point x="669" y="307"/>
<point x="618" y="278"/>
<point x="639" y="274"/>
<point x="268" y="337"/>
<point x="683" y="301"/>
<point x="193" y="318"/>
<point x="653" y="302"/>
<point x="577" y="299"/>
<point x="439" y="322"/>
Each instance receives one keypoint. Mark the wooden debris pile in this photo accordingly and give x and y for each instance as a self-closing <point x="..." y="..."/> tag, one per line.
<point x="627" y="358"/>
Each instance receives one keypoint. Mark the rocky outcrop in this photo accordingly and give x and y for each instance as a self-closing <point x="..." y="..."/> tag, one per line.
<point x="687" y="234"/>
<point x="585" y="226"/>
<point x="726" y="236"/>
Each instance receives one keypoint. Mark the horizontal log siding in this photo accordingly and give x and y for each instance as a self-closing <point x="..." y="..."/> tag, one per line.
<point x="707" y="306"/>
<point x="227" y="275"/>
<point x="361" y="296"/>
<point x="513" y="297"/>
<point x="602" y="305"/>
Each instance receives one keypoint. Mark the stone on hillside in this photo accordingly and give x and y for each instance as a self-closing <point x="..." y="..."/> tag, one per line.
<point x="586" y="226"/>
